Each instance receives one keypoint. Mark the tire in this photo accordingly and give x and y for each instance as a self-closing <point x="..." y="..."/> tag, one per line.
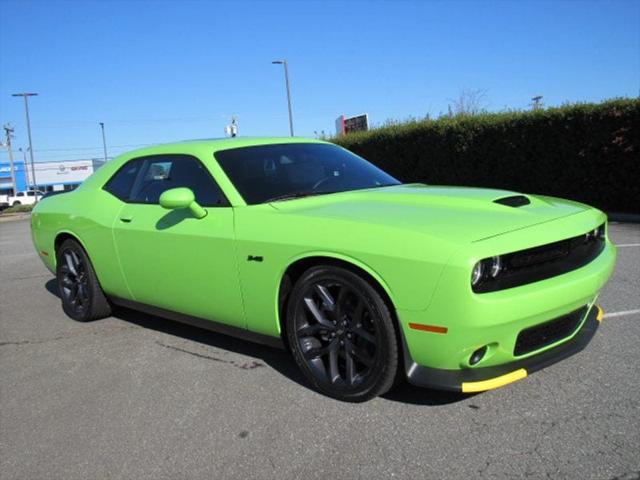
<point x="16" y="203"/>
<point x="342" y="334"/>
<point x="80" y="292"/>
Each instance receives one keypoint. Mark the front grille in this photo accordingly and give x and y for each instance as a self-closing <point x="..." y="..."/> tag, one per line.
<point x="539" y="336"/>
<point x="546" y="261"/>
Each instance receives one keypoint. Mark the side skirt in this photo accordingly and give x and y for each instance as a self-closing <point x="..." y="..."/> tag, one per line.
<point x="201" y="323"/>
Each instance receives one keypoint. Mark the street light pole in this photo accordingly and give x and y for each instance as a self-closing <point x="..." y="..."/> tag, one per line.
<point x="26" y="109"/>
<point x="286" y="79"/>
<point x="26" y="167"/>
<point x="104" y="142"/>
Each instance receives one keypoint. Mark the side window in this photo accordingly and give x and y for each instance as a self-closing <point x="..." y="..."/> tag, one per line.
<point x="163" y="172"/>
<point x="20" y="194"/>
<point x="122" y="181"/>
<point x="30" y="193"/>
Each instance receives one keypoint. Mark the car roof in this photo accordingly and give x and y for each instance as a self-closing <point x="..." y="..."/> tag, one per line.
<point x="216" y="144"/>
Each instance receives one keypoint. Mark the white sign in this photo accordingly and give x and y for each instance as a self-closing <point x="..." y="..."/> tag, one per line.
<point x="49" y="173"/>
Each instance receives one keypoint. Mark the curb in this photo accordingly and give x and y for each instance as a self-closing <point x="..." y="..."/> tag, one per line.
<point x="9" y="217"/>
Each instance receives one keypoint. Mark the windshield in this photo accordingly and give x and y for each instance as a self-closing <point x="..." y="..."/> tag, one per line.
<point x="267" y="173"/>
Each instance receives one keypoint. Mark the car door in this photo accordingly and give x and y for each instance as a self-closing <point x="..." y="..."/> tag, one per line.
<point x="171" y="259"/>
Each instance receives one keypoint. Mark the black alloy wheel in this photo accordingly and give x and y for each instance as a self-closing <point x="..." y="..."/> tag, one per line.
<point x="81" y="294"/>
<point x="342" y="334"/>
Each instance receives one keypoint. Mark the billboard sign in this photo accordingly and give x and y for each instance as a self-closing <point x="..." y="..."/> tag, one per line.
<point x="358" y="123"/>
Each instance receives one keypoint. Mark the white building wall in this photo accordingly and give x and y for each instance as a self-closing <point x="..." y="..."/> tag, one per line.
<point x="61" y="173"/>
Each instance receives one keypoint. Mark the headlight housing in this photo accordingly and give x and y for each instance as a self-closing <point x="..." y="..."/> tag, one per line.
<point x="537" y="263"/>
<point x="488" y="268"/>
<point x="476" y="274"/>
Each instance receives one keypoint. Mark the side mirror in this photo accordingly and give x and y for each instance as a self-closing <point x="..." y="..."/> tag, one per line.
<point x="182" y="198"/>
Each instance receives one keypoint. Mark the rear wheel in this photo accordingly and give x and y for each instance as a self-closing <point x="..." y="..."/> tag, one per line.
<point x="80" y="292"/>
<point x="16" y="203"/>
<point x="342" y="334"/>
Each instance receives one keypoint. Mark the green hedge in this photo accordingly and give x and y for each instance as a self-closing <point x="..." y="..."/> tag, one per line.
<point x="18" y="209"/>
<point x="585" y="152"/>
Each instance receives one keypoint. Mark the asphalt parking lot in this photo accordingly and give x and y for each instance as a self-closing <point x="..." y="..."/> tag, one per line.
<point x="135" y="396"/>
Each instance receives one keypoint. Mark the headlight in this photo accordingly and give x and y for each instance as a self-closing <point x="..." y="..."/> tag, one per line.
<point x="596" y="234"/>
<point x="489" y="268"/>
<point x="496" y="266"/>
<point x="476" y="274"/>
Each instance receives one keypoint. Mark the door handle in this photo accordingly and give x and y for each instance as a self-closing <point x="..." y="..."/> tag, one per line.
<point x="126" y="218"/>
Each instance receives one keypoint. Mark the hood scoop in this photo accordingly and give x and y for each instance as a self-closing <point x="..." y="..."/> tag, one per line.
<point x="513" y="201"/>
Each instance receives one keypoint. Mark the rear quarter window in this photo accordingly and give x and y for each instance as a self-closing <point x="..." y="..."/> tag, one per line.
<point x="120" y="184"/>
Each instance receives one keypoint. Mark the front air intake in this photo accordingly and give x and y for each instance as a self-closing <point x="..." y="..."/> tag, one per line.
<point x="513" y="201"/>
<point x="539" y="336"/>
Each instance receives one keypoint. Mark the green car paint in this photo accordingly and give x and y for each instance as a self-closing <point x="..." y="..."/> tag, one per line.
<point x="418" y="242"/>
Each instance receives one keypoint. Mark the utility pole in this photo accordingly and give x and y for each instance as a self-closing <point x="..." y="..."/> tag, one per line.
<point x="286" y="79"/>
<point x="537" y="102"/>
<point x="8" y="131"/>
<point x="26" y="96"/>
<point x="104" y="142"/>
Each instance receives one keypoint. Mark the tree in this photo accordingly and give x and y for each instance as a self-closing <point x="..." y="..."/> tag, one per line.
<point x="469" y="102"/>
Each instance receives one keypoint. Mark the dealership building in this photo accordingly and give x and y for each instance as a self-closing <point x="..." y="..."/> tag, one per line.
<point x="49" y="176"/>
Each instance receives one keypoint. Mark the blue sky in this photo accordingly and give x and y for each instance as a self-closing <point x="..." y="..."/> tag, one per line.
<point x="163" y="71"/>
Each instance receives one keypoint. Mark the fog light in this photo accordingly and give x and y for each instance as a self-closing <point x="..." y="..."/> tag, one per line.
<point x="477" y="355"/>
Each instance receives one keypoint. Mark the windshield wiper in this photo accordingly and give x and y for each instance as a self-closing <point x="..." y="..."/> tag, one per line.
<point x="291" y="196"/>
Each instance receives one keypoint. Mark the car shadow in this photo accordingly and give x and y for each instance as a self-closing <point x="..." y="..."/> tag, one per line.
<point x="174" y="217"/>
<point x="279" y="360"/>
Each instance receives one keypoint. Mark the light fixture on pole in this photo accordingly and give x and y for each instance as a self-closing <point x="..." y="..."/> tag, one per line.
<point x="231" y="130"/>
<point x="26" y="96"/>
<point x="104" y="142"/>
<point x="286" y="79"/>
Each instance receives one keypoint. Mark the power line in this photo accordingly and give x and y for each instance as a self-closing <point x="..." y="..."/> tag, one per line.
<point x="69" y="156"/>
<point x="132" y="121"/>
<point x="91" y="148"/>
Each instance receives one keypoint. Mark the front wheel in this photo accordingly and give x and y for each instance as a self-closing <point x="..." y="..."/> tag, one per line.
<point x="80" y="292"/>
<point x="342" y="334"/>
<point x="16" y="203"/>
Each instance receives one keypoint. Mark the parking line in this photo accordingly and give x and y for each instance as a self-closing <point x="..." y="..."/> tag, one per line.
<point x="628" y="245"/>
<point x="621" y="314"/>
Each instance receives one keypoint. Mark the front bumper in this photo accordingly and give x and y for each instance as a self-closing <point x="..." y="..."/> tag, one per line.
<point x="487" y="378"/>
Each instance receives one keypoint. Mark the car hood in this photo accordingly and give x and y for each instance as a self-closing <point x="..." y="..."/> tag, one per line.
<point x="453" y="213"/>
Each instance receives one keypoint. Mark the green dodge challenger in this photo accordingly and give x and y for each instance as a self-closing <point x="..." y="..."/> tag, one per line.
<point x="302" y="244"/>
